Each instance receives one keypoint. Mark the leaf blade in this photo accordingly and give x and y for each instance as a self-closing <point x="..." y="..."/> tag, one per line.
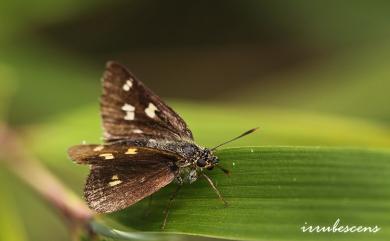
<point x="272" y="197"/>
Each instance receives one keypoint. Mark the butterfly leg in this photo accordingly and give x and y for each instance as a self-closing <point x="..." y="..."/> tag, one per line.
<point x="169" y="205"/>
<point x="214" y="188"/>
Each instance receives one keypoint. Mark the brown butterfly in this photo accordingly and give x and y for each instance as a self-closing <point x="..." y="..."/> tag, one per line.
<point x="146" y="146"/>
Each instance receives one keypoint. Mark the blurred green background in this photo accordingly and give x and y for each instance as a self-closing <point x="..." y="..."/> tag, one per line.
<point x="307" y="72"/>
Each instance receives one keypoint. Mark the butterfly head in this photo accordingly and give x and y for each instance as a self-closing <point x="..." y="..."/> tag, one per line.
<point x="207" y="159"/>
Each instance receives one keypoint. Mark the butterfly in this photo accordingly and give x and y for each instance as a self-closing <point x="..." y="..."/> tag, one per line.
<point x="147" y="145"/>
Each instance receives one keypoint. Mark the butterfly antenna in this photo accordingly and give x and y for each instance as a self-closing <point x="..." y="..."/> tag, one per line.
<point x="226" y="171"/>
<point x="238" y="137"/>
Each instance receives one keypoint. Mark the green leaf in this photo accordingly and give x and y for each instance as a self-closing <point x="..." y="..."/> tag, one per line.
<point x="274" y="191"/>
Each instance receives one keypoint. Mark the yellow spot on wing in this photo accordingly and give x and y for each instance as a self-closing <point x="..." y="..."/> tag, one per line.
<point x="131" y="151"/>
<point x="98" y="148"/>
<point x="114" y="183"/>
<point x="115" y="177"/>
<point x="107" y="156"/>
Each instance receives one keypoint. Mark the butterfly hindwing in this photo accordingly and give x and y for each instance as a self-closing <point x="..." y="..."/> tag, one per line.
<point x="130" y="110"/>
<point x="121" y="176"/>
<point x="117" y="154"/>
<point x="113" y="188"/>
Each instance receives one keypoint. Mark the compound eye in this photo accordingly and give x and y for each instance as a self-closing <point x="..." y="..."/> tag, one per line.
<point x="201" y="162"/>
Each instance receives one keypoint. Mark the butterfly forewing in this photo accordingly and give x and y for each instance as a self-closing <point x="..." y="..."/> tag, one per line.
<point x="121" y="175"/>
<point x="130" y="110"/>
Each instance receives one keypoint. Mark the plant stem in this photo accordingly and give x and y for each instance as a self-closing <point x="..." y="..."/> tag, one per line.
<point x="24" y="165"/>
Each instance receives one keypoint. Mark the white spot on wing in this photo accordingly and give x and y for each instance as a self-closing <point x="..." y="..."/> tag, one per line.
<point x="127" y="86"/>
<point x="151" y="110"/>
<point x="129" y="116"/>
<point x="129" y="109"/>
<point x="138" y="131"/>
